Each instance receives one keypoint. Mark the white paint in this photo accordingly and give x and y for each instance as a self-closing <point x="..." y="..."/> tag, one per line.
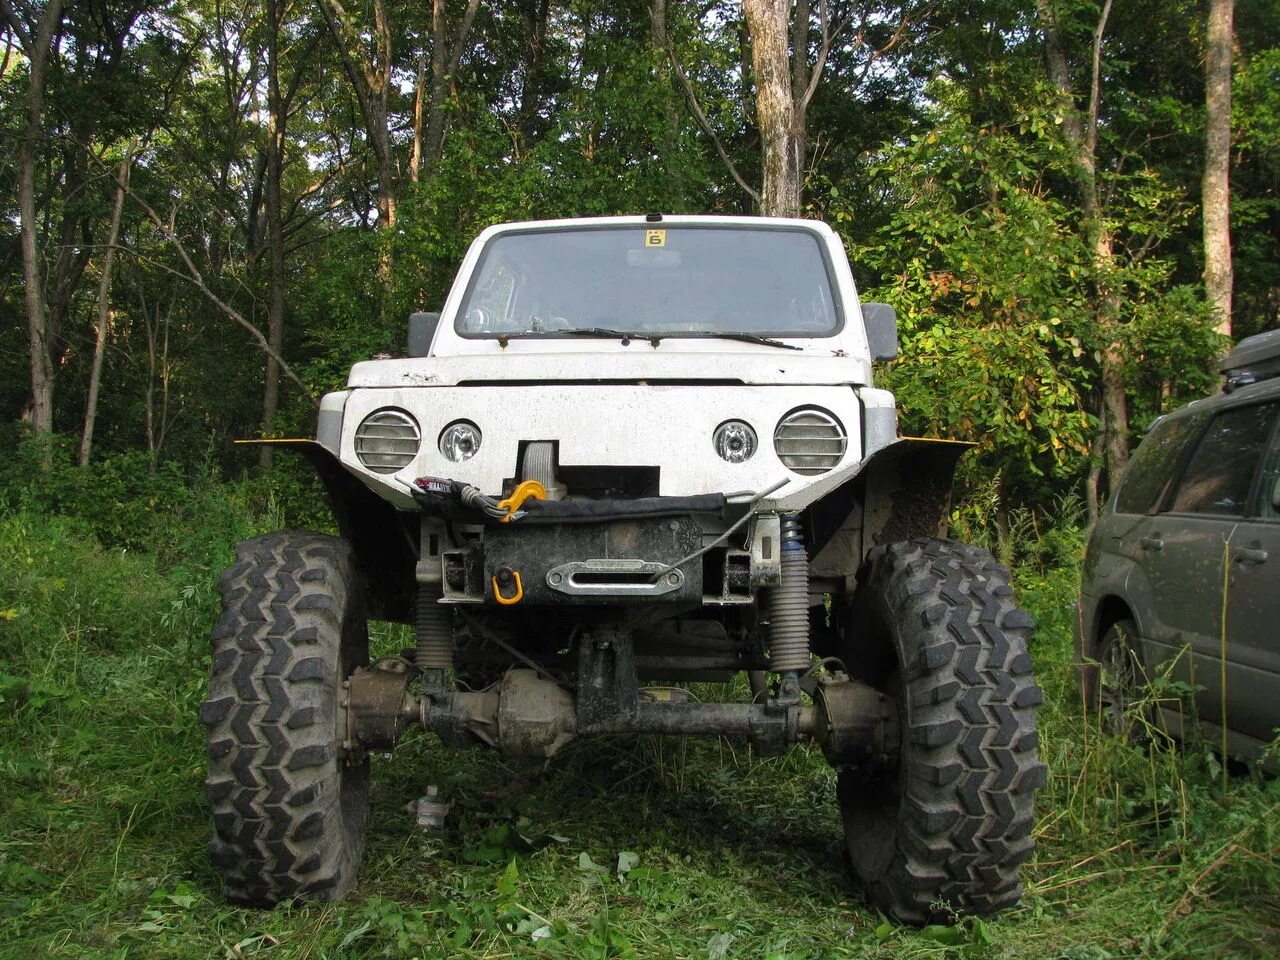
<point x="558" y="389"/>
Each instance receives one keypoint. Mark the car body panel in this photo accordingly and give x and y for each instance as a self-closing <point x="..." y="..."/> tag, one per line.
<point x="1196" y="585"/>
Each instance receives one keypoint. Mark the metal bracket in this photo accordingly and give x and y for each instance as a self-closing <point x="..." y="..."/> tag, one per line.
<point x="607" y="686"/>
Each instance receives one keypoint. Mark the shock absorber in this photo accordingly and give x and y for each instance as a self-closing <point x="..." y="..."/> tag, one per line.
<point x="434" y="631"/>
<point x="789" y="604"/>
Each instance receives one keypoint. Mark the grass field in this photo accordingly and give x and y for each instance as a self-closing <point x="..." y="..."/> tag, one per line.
<point x="619" y="848"/>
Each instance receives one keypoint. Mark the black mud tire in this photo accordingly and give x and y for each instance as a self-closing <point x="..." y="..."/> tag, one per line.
<point x="944" y="832"/>
<point x="289" y="813"/>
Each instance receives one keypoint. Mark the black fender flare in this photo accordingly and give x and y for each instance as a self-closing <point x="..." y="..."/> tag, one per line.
<point x="383" y="538"/>
<point x="901" y="492"/>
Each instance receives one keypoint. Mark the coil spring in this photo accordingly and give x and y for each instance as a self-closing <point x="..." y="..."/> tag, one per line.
<point x="434" y="630"/>
<point x="789" y="604"/>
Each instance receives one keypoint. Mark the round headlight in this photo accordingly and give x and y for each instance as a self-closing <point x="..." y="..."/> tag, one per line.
<point x="809" y="441"/>
<point x="735" y="441"/>
<point x="460" y="440"/>
<point x="387" y="440"/>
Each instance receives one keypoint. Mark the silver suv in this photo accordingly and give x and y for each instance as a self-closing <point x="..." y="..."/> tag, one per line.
<point x="1180" y="574"/>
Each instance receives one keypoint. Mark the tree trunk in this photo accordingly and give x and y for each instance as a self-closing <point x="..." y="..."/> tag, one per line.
<point x="37" y="47"/>
<point x="419" y="101"/>
<point x="370" y="78"/>
<point x="444" y="65"/>
<point x="671" y="119"/>
<point x="801" y="74"/>
<point x="1216" y="189"/>
<point x="277" y="119"/>
<point x="104" y="309"/>
<point x="1081" y="133"/>
<point x="768" y="22"/>
<point x="433" y="142"/>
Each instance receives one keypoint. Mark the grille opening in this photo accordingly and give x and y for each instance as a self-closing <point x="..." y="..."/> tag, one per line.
<point x="606" y="483"/>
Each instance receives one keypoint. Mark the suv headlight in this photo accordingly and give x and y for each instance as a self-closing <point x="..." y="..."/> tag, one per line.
<point x="460" y="440"/>
<point x="735" y="441"/>
<point x="810" y="441"/>
<point x="387" y="440"/>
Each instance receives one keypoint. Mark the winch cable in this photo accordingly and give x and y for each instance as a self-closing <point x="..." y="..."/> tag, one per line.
<point x="737" y="524"/>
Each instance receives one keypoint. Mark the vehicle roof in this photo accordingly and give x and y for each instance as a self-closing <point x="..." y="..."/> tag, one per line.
<point x="667" y="220"/>
<point x="1241" y="396"/>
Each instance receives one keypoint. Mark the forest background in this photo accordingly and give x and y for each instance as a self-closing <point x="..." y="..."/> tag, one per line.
<point x="211" y="209"/>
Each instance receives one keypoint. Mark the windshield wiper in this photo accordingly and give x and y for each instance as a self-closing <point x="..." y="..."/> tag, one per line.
<point x="624" y="335"/>
<point x="752" y="338"/>
<point x="627" y="336"/>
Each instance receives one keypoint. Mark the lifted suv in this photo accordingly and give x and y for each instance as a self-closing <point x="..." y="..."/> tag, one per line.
<point x="630" y="451"/>
<point x="1180" y="567"/>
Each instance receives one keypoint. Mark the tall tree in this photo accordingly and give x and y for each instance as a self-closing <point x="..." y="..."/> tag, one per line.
<point x="445" y="58"/>
<point x="35" y="29"/>
<point x="1080" y="130"/>
<point x="104" y="308"/>
<point x="786" y="82"/>
<point x="277" y="120"/>
<point x="776" y="115"/>
<point x="365" y="52"/>
<point x="1216" y="189"/>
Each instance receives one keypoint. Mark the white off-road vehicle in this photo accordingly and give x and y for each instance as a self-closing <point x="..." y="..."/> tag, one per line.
<point x="632" y="452"/>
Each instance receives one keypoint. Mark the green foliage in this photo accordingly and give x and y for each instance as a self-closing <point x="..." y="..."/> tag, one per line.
<point x="603" y="852"/>
<point x="1164" y="345"/>
<point x="986" y="272"/>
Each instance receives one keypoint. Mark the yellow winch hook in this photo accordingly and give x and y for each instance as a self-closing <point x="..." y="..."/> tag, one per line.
<point x="526" y="490"/>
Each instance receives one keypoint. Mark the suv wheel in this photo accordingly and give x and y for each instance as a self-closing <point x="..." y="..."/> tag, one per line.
<point x="945" y="831"/>
<point x="1120" y="677"/>
<point x="289" y="812"/>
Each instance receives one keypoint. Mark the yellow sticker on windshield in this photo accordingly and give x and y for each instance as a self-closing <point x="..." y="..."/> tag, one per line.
<point x="655" y="238"/>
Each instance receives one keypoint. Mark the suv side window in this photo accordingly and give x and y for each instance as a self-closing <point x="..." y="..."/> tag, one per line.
<point x="1155" y="466"/>
<point x="1269" y="487"/>
<point x="1219" y="477"/>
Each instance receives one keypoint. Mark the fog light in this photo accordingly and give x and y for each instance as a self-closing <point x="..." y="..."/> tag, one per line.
<point x="460" y="440"/>
<point x="735" y="441"/>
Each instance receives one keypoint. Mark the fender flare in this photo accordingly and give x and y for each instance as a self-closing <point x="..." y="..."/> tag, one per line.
<point x="902" y="491"/>
<point x="383" y="538"/>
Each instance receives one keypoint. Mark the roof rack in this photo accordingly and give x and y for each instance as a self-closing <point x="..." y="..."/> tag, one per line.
<point x="1253" y="359"/>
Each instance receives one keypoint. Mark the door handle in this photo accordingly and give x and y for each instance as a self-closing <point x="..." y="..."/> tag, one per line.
<point x="1251" y="555"/>
<point x="1151" y="543"/>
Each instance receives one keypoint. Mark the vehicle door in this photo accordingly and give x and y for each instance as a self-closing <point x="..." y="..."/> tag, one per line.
<point x="1253" y="609"/>
<point x="1188" y="548"/>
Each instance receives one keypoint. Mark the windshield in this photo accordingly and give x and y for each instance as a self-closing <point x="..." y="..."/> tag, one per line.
<point x="651" y="280"/>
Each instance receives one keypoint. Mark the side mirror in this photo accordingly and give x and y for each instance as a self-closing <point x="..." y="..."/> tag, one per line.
<point x="422" y="330"/>
<point x="881" y="321"/>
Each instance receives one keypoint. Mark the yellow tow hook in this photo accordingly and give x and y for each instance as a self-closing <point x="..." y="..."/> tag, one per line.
<point x="525" y="491"/>
<point x="506" y="578"/>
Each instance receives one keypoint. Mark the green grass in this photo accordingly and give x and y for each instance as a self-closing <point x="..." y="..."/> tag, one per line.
<point x="615" y="848"/>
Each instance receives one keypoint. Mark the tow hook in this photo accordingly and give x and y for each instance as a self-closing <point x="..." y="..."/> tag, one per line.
<point x="529" y="489"/>
<point x="508" y="588"/>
